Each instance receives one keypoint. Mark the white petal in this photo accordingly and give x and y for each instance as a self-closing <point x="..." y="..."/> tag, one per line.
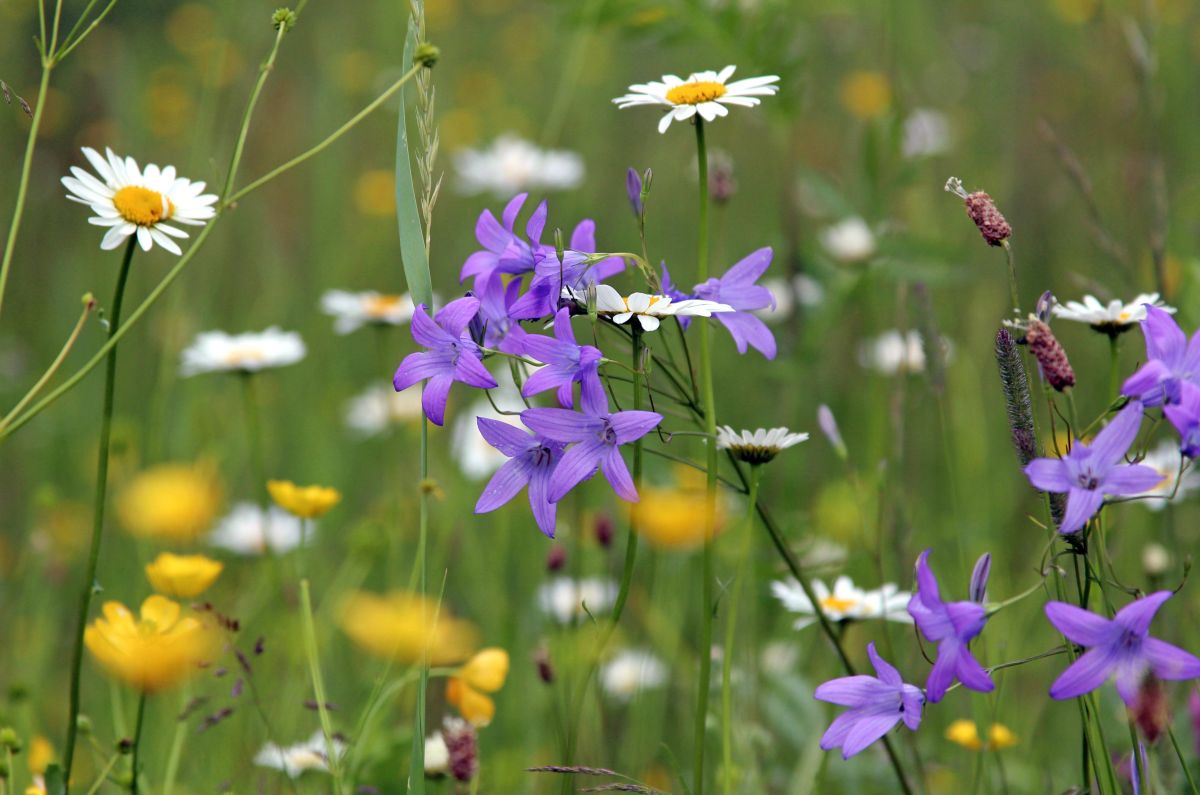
<point x="114" y="237"/>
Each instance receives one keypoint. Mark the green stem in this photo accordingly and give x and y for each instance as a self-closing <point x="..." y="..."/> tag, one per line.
<point x="137" y="743"/>
<point x="1012" y="276"/>
<point x="239" y="147"/>
<point x="1187" y="772"/>
<point x="88" y="305"/>
<point x="1114" y="367"/>
<point x="258" y="467"/>
<point x="730" y="626"/>
<point x="710" y="425"/>
<point x="314" y="668"/>
<point x="89" y="580"/>
<point x="176" y="753"/>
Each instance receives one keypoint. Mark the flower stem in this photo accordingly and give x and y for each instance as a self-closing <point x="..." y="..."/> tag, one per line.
<point x="137" y="743"/>
<point x="314" y="668"/>
<point x="728" y="776"/>
<point x="258" y="467"/>
<point x="89" y="579"/>
<point x="176" y="753"/>
<point x="1012" y="276"/>
<point x="1114" y="367"/>
<point x="710" y="425"/>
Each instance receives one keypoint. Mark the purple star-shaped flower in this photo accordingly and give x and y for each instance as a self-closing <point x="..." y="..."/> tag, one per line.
<point x="503" y="250"/>
<point x="597" y="444"/>
<point x="1171" y="360"/>
<point x="575" y="271"/>
<point x="493" y="326"/>
<point x="565" y="364"/>
<point x="1119" y="648"/>
<point x="1089" y="472"/>
<point x="1185" y="416"/>
<point x="737" y="288"/>
<point x="952" y="625"/>
<point x="451" y="356"/>
<point x="531" y="462"/>
<point x="877" y="703"/>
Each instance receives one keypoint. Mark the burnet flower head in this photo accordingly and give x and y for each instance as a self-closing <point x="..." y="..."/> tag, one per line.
<point x="757" y="447"/>
<point x="218" y="352"/>
<point x="129" y="200"/>
<point x="706" y="94"/>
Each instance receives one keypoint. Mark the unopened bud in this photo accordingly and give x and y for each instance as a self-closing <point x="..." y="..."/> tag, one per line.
<point x="556" y="558"/>
<point x="828" y="425"/>
<point x="982" y="210"/>
<point x="124" y="746"/>
<point x="283" y="19"/>
<point x="545" y="667"/>
<point x="1050" y="355"/>
<point x="83" y="724"/>
<point x="9" y="739"/>
<point x="426" y="54"/>
<point x="89" y="301"/>
<point x="604" y="530"/>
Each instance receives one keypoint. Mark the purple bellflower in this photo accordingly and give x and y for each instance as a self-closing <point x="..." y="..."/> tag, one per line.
<point x="1119" y="648"/>
<point x="952" y="625"/>
<point x="575" y="271"/>
<point x="566" y="364"/>
<point x="531" y="462"/>
<point x="877" y="703"/>
<point x="503" y="250"/>
<point x="1171" y="360"/>
<point x="597" y="444"/>
<point x="979" y="578"/>
<point x="1089" y="472"/>
<point x="451" y="356"/>
<point x="1185" y="416"/>
<point x="633" y="188"/>
<point x="493" y="327"/>
<point x="737" y="288"/>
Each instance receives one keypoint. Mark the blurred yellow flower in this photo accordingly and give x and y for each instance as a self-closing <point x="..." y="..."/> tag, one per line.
<point x="41" y="754"/>
<point x="182" y="576"/>
<point x="189" y="27"/>
<point x="675" y="517"/>
<point x="400" y="625"/>
<point x="866" y="95"/>
<point x="483" y="673"/>
<point x="965" y="733"/>
<point x="1076" y="11"/>
<point x="172" y="502"/>
<point x="158" y="648"/>
<point x="375" y="193"/>
<point x="306" y="502"/>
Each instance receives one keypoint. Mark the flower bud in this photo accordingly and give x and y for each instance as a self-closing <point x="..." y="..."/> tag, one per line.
<point x="982" y="210"/>
<point x="979" y="578"/>
<point x="545" y="667"/>
<point x="1050" y="355"/>
<point x="556" y="558"/>
<point x="828" y="425"/>
<point x="633" y="189"/>
<point x="283" y="19"/>
<point x="9" y="739"/>
<point x="604" y="530"/>
<point x="427" y="55"/>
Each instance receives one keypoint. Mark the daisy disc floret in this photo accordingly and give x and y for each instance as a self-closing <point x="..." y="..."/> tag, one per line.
<point x="757" y="447"/>
<point x="706" y="94"/>
<point x="129" y="200"/>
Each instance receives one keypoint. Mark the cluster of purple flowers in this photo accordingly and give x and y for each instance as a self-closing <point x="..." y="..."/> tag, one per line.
<point x="518" y="279"/>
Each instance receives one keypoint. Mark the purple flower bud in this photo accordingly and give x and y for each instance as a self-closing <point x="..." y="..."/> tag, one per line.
<point x="829" y="427"/>
<point x="1045" y="306"/>
<point x="556" y="558"/>
<point x="633" y="187"/>
<point x="979" y="578"/>
<point x="604" y="530"/>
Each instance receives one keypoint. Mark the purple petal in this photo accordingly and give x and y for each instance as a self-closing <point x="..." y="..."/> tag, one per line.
<point x="417" y="367"/>
<point x="632" y="425"/>
<point x="543" y="379"/>
<point x="592" y="397"/>
<point x="1136" y="616"/>
<point x="1081" y="626"/>
<point x="836" y="734"/>
<point x="566" y="395"/>
<point x="887" y="672"/>
<point x="851" y="691"/>
<point x="455" y="315"/>
<point x="618" y="475"/>
<point x="1082" y="505"/>
<point x="1111" y="444"/>
<point x="490" y="234"/>
<point x="513" y="209"/>
<point x="426" y="332"/>
<point x="747" y="329"/>
<point x="508" y="439"/>
<point x="942" y="674"/>
<point x="1089" y="672"/>
<point x="562" y="425"/>
<point x="1131" y="479"/>
<point x="583" y="238"/>
<point x="578" y="464"/>
<point x="433" y="398"/>
<point x="967" y="618"/>
<point x="481" y="263"/>
<point x="1146" y="379"/>
<point x="867" y="729"/>
<point x="537" y="222"/>
<point x="508" y="481"/>
<point x="912" y="700"/>
<point x="562" y="326"/>
<point x="971" y="673"/>
<point x="471" y="372"/>
<point x="927" y="584"/>
<point x="545" y="349"/>
<point x="1170" y="662"/>
<point x="1164" y="339"/>
<point x="1049" y="474"/>
<point x="545" y="513"/>
<point x="749" y="268"/>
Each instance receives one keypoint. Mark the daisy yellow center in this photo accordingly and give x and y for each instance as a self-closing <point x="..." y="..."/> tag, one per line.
<point x="381" y="305"/>
<point x="695" y="93"/>
<point x="1123" y="317"/>
<point x="837" y="604"/>
<point x="238" y="358"/>
<point x="142" y="206"/>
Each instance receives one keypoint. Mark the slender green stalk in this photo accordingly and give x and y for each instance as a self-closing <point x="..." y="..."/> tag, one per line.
<point x="23" y="182"/>
<point x="728" y="777"/>
<point x="137" y="744"/>
<point x="258" y="466"/>
<point x="89" y="304"/>
<point x="240" y="147"/>
<point x="176" y="753"/>
<point x="89" y="579"/>
<point x="1114" y="366"/>
<point x="710" y="425"/>
<point x="1012" y="276"/>
<point x="1183" y="763"/>
<point x="332" y="758"/>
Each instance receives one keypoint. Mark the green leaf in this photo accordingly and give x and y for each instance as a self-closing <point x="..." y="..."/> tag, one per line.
<point x="412" y="237"/>
<point x="55" y="783"/>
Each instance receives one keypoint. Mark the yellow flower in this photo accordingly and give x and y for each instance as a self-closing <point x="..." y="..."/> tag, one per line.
<point x="400" y="625"/>
<point x="173" y="502"/>
<point x="675" y="517"/>
<point x="966" y="734"/>
<point x="41" y="754"/>
<point x="866" y="95"/>
<point x="182" y="576"/>
<point x="375" y="193"/>
<point x="306" y="502"/>
<point x="483" y="673"/>
<point x="153" y="650"/>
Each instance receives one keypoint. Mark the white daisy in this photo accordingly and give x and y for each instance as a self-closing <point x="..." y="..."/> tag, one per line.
<point x="564" y="599"/>
<point x="437" y="755"/>
<point x="1165" y="459"/>
<point x="218" y="352"/>
<point x="649" y="309"/>
<point x="132" y="201"/>
<point x="374" y="410"/>
<point x="1112" y="318"/>
<point x="757" y="447"/>
<point x="847" y="602"/>
<point x="294" y="760"/>
<point x="850" y="240"/>
<point x="926" y="133"/>
<point x="892" y="353"/>
<point x="512" y="165"/>
<point x="248" y="530"/>
<point x="352" y="311"/>
<point x="703" y="93"/>
<point x="630" y="672"/>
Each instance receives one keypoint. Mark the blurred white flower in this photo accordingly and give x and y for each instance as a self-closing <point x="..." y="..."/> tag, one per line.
<point x="216" y="352"/>
<point x="352" y="311"/>
<point x="512" y="165"/>
<point x="377" y="408"/>
<point x="132" y="201"/>
<point x="926" y="133"/>
<point x="779" y="657"/>
<point x="248" y="530"/>
<point x="630" y="672"/>
<point x="850" y="240"/>
<point x="846" y="602"/>
<point x="437" y="755"/>
<point x="563" y="598"/>
<point x="476" y="458"/>
<point x="803" y="290"/>
<point x="294" y="760"/>
<point x="892" y="353"/>
<point x="1166" y="459"/>
<point x="1113" y="317"/>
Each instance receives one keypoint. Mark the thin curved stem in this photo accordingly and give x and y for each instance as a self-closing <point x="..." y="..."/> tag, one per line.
<point x="89" y="304"/>
<point x="137" y="744"/>
<point x="239" y="147"/>
<point x="23" y="182"/>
